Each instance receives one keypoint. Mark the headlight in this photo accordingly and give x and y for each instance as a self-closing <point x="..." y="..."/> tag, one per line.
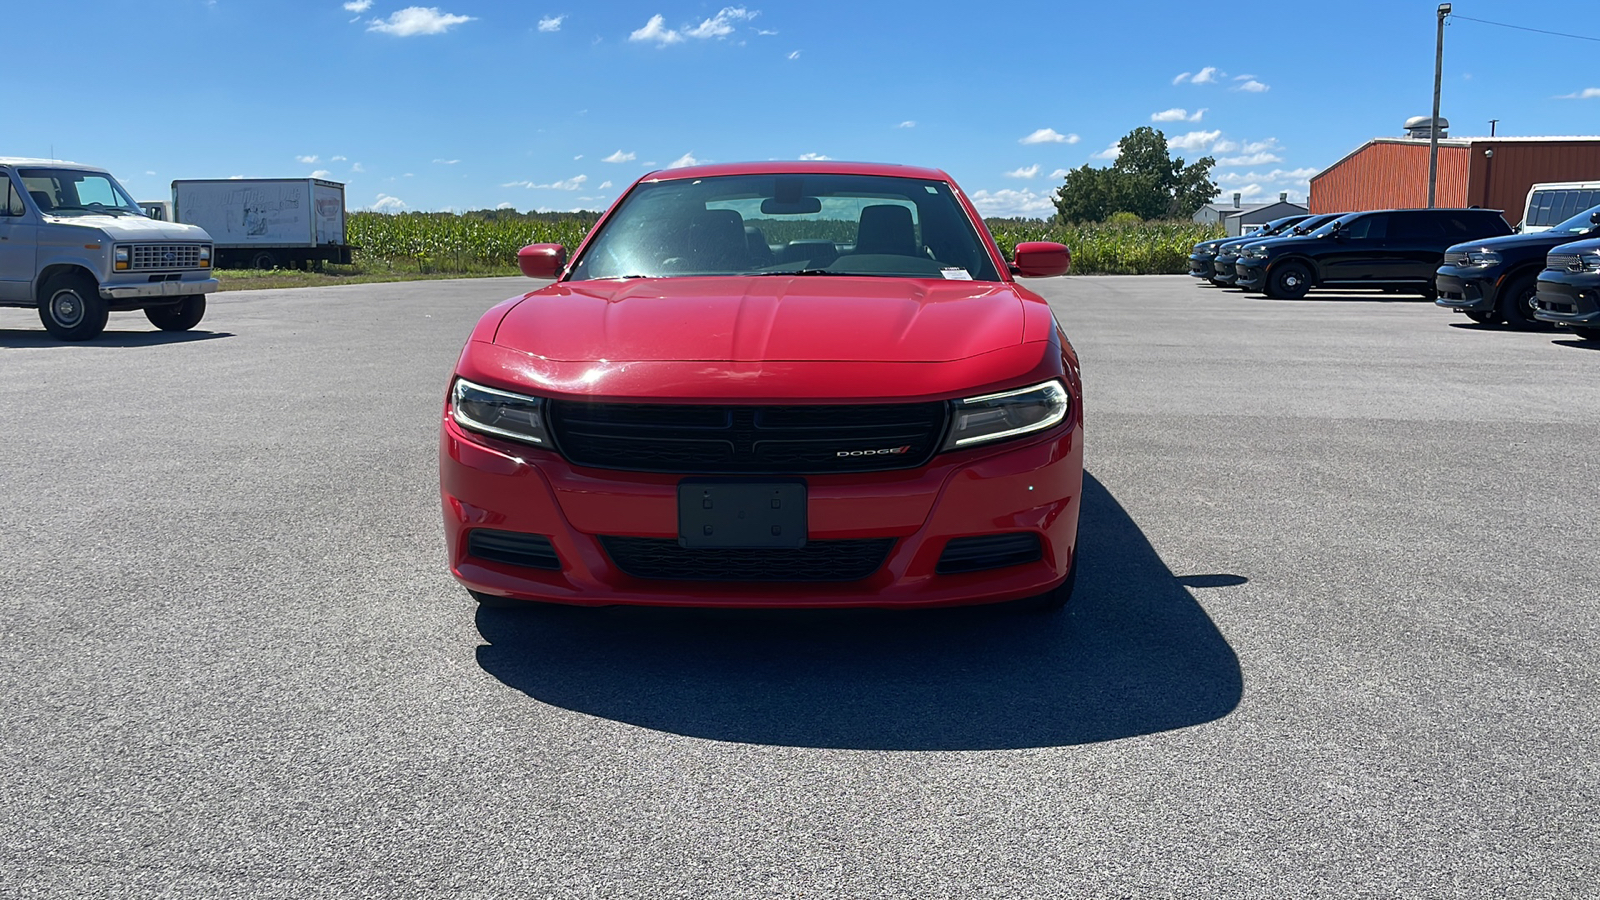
<point x="119" y="258"/>
<point x="1589" y="261"/>
<point x="994" y="417"/>
<point x="205" y="255"/>
<point x="489" y="411"/>
<point x="1255" y="253"/>
<point x="1480" y="259"/>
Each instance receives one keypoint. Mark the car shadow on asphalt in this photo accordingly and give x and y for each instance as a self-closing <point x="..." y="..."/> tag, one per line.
<point x="1354" y="297"/>
<point x="1133" y="654"/>
<point x="1578" y="342"/>
<point x="13" y="338"/>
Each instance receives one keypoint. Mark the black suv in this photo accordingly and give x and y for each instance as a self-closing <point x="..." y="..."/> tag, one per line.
<point x="1226" y="263"/>
<point x="1569" y="288"/>
<point x="1496" y="280"/>
<point x="1203" y="256"/>
<point x="1398" y="249"/>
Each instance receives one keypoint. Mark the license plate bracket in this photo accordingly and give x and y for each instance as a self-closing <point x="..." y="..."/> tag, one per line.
<point x="721" y="514"/>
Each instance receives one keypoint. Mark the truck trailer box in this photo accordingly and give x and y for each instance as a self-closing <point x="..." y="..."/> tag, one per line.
<point x="266" y="222"/>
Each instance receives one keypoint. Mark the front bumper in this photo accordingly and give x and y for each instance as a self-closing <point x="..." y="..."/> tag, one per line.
<point x="1226" y="272"/>
<point x="1200" y="266"/>
<point x="1568" y="299"/>
<point x="1250" y="274"/>
<point x="122" y="293"/>
<point x="1466" y="290"/>
<point x="1031" y="486"/>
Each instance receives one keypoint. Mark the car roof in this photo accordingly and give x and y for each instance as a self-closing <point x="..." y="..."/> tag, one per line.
<point x="52" y="163"/>
<point x="800" y="167"/>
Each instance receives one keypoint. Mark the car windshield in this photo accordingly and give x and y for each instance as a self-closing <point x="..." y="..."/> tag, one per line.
<point x="1327" y="227"/>
<point x="788" y="224"/>
<point x="1311" y="224"/>
<point x="73" y="192"/>
<point x="1578" y="224"/>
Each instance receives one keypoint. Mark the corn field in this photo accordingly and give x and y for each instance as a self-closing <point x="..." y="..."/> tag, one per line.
<point x="484" y="242"/>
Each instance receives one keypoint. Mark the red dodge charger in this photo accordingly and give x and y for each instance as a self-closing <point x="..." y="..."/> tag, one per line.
<point x="770" y="384"/>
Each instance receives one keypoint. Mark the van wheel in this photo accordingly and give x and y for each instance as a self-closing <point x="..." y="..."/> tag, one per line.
<point x="1516" y="304"/>
<point x="263" y="260"/>
<point x="1289" y="281"/>
<point x="180" y="316"/>
<point x="71" y="309"/>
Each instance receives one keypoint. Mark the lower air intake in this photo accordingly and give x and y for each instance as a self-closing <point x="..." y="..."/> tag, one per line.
<point x="989" y="551"/>
<point x="532" y="551"/>
<point x="664" y="559"/>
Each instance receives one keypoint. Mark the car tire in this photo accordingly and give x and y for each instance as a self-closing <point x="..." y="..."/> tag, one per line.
<point x="1588" y="334"/>
<point x="1483" y="318"/>
<point x="180" y="316"/>
<point x="1515" y="305"/>
<point x="1053" y="600"/>
<point x="71" y="309"/>
<point x="263" y="260"/>
<point x="1288" y="281"/>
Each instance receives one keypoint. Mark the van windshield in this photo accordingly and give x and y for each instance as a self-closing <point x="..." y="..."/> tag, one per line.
<point x="73" y="192"/>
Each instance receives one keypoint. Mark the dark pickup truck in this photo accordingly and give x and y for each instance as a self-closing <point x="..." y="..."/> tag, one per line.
<point x="1394" y="249"/>
<point x="1496" y="280"/>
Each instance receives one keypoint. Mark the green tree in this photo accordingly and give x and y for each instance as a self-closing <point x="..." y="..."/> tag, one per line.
<point x="1145" y="181"/>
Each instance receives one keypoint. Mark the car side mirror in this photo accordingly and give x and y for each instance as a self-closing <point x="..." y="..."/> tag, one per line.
<point x="1041" y="259"/>
<point x="1594" y="217"/>
<point x="542" y="260"/>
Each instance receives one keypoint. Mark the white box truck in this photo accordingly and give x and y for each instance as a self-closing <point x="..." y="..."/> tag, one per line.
<point x="266" y="223"/>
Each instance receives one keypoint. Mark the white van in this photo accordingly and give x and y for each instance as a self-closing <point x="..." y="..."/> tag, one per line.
<point x="1557" y="201"/>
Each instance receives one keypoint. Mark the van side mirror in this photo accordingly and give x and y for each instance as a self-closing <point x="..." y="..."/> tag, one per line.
<point x="542" y="260"/>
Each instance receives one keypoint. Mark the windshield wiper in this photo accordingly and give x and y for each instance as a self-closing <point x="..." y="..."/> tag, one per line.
<point x="98" y="210"/>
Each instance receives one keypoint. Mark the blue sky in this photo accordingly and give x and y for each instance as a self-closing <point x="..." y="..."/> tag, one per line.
<point x="558" y="105"/>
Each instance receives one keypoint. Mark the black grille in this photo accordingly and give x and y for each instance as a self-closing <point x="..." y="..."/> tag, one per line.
<point x="989" y="551"/>
<point x="769" y="440"/>
<point x="1561" y="261"/>
<point x="530" y="550"/>
<point x="1455" y="257"/>
<point x="662" y="558"/>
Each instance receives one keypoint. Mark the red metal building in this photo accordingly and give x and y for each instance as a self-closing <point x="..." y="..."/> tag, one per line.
<point x="1492" y="172"/>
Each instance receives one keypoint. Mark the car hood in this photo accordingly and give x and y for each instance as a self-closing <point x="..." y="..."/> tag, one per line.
<point x="1587" y="245"/>
<point x="1532" y="241"/>
<point x="774" y="318"/>
<point x="134" y="228"/>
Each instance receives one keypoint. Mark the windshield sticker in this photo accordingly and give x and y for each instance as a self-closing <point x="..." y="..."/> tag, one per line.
<point x="956" y="274"/>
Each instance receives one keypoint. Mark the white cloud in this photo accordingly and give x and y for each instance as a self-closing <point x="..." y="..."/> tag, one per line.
<point x="795" y="55"/>
<point x="1270" y="143"/>
<point x="619" y="157"/>
<point x="357" y="167"/>
<point x="358" y="6"/>
<point x="1194" y="140"/>
<point x="1253" y="86"/>
<point x="1010" y="202"/>
<point x="1224" y="146"/>
<point x="1177" y="115"/>
<point x="1111" y="152"/>
<point x="721" y="24"/>
<point x="1181" y="77"/>
<point x="1243" y="77"/>
<point x="322" y="173"/>
<point x="409" y="175"/>
<point x="505" y="204"/>
<point x="814" y="156"/>
<point x="1059" y="173"/>
<point x="415" y="20"/>
<point x="386" y="203"/>
<point x="1208" y="75"/>
<point x="1585" y="94"/>
<point x="764" y="32"/>
<point x="1048" y="136"/>
<point x="574" y="183"/>
<point x="1249" y="190"/>
<point x="551" y="23"/>
<point x="337" y="159"/>
<point x="1276" y="176"/>
<point x="308" y="160"/>
<point x="685" y="160"/>
<point x="656" y="30"/>
<point x="1024" y="172"/>
<point x="1253" y="159"/>
<point x="909" y="123"/>
<point x="149" y="173"/>
<point x="604" y="185"/>
<point x="447" y="162"/>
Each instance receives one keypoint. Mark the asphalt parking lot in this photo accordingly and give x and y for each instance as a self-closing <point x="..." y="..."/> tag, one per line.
<point x="1335" y="635"/>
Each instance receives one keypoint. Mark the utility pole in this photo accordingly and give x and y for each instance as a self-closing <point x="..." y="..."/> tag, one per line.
<point x="1492" y="123"/>
<point x="1433" y="132"/>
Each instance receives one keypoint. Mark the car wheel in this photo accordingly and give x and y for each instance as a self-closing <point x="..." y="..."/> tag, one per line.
<point x="180" y="316"/>
<point x="1289" y="281"/>
<point x="1588" y="334"/>
<point x="1052" y="600"/>
<point x="1516" y="304"/>
<point x="71" y="309"/>
<point x="1483" y="318"/>
<point x="263" y="260"/>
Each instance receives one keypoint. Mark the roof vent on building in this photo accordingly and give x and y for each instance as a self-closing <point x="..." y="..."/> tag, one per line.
<point x="1421" y="127"/>
<point x="1283" y="196"/>
<point x="1236" y="197"/>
